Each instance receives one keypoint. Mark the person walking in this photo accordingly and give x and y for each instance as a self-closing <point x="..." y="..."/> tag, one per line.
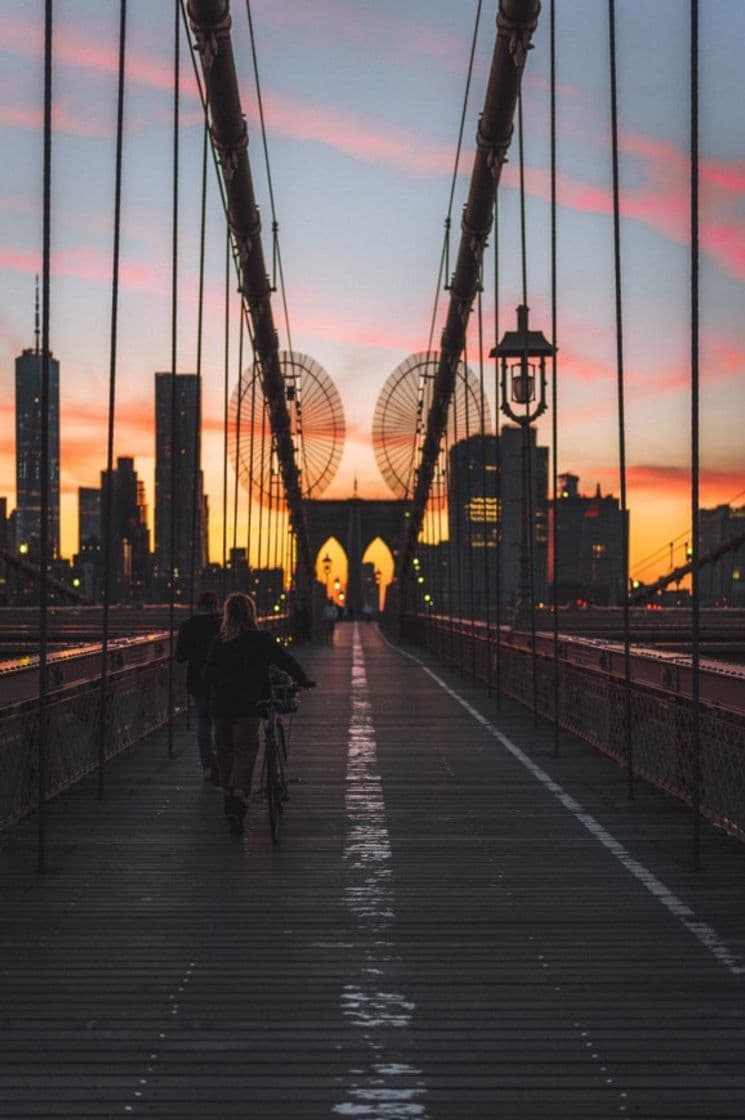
<point x="192" y="646"/>
<point x="237" y="673"/>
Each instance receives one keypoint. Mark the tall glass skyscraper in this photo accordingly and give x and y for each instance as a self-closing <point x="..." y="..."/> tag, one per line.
<point x="28" y="452"/>
<point x="186" y="470"/>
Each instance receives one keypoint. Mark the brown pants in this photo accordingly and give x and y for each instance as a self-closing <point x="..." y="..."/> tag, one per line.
<point x="237" y="743"/>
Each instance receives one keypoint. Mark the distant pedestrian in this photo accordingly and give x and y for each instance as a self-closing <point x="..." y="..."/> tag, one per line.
<point x="237" y="672"/>
<point x="329" y="615"/>
<point x="192" y="646"/>
<point x="301" y="621"/>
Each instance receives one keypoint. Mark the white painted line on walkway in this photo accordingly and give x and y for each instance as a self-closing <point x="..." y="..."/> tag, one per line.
<point x="385" y="1087"/>
<point x="703" y="932"/>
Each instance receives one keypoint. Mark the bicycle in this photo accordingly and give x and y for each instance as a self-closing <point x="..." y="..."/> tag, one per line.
<point x="283" y="701"/>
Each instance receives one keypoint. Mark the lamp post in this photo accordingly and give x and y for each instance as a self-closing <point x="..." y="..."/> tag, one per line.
<point x="378" y="577"/>
<point x="522" y="355"/>
<point x="337" y="587"/>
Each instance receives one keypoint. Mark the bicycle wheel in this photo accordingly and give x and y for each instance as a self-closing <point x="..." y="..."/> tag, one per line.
<point x="282" y="740"/>
<point x="273" y="784"/>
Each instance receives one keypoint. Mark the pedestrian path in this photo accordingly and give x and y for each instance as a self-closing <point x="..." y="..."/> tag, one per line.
<point x="454" y="924"/>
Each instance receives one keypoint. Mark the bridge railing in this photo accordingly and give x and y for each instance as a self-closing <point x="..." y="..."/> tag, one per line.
<point x="591" y="705"/>
<point x="136" y="705"/>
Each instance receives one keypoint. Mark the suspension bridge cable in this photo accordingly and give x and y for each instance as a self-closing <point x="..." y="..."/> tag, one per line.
<point x="654" y="557"/>
<point x="225" y="402"/>
<point x="468" y="510"/>
<point x="238" y="432"/>
<point x="621" y="405"/>
<point x="197" y="511"/>
<point x="527" y="472"/>
<point x="262" y="448"/>
<point x="498" y="550"/>
<point x="276" y="247"/>
<point x="108" y="489"/>
<point x="174" y="343"/>
<point x="445" y="254"/>
<point x="554" y="376"/>
<point x="275" y="223"/>
<point x="486" y="500"/>
<point x="250" y="480"/>
<point x="695" y="442"/>
<point x="44" y="536"/>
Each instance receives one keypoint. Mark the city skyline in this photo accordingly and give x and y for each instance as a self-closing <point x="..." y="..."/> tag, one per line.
<point x="363" y="139"/>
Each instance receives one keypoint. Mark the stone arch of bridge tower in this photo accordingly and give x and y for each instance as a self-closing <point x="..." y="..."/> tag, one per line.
<point x="379" y="553"/>
<point x="355" y="523"/>
<point x="335" y="549"/>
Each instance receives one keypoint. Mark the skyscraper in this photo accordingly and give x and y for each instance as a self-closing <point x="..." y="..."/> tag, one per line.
<point x="589" y="532"/>
<point x="186" y="505"/>
<point x="485" y="504"/>
<point x="130" y="538"/>
<point x="89" y="516"/>
<point x="29" y="366"/>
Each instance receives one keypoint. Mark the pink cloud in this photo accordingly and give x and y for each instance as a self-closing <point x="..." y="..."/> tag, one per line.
<point x="361" y="137"/>
<point x="363" y="25"/>
<point x="63" y="120"/>
<point x="86" y="51"/>
<point x="663" y="207"/>
<point x="82" y="263"/>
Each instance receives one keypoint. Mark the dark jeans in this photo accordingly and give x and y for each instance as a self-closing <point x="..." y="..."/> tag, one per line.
<point x="204" y="728"/>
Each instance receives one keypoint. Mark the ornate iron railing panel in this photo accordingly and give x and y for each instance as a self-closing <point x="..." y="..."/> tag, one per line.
<point x="591" y="706"/>
<point x="137" y="704"/>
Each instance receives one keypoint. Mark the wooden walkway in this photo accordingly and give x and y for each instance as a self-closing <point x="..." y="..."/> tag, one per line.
<point x="453" y="925"/>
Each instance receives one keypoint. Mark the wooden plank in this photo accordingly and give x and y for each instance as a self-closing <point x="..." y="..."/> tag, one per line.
<point x="435" y="935"/>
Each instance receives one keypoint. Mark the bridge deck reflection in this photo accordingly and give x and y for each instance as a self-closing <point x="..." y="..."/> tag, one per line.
<point x="453" y="923"/>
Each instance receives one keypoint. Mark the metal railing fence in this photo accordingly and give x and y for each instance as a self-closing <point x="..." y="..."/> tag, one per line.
<point x="591" y="706"/>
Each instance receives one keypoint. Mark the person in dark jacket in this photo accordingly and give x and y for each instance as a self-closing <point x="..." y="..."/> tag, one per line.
<point x="237" y="673"/>
<point x="192" y="646"/>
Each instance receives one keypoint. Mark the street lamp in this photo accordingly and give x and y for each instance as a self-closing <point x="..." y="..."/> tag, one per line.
<point x="337" y="585"/>
<point x="522" y="355"/>
<point x="326" y="565"/>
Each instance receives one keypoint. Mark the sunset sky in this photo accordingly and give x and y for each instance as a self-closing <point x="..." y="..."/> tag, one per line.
<point x="363" y="103"/>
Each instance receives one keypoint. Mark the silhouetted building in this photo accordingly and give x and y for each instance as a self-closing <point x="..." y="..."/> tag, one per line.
<point x="589" y="563"/>
<point x="485" y="504"/>
<point x="722" y="583"/>
<point x="239" y="571"/>
<point x="89" y="516"/>
<point x="130" y="538"/>
<point x="185" y="506"/>
<point x="29" y="366"/>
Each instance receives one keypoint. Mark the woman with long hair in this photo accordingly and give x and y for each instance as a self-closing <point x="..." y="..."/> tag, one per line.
<point x="237" y="673"/>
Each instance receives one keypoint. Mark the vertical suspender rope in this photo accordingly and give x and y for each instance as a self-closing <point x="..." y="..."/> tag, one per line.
<point x="498" y="550"/>
<point x="442" y="552"/>
<point x="197" y="513"/>
<point x="174" y="314"/>
<point x="628" y="740"/>
<point x="250" y="482"/>
<point x="108" y="488"/>
<point x="554" y="383"/>
<point x="455" y="480"/>
<point x="44" y="487"/>
<point x="527" y="474"/>
<point x="226" y="389"/>
<point x="238" y="419"/>
<point x="486" y="506"/>
<point x="260" y="591"/>
<point x="468" y="510"/>
<point x="695" y="449"/>
<point x="449" y="553"/>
